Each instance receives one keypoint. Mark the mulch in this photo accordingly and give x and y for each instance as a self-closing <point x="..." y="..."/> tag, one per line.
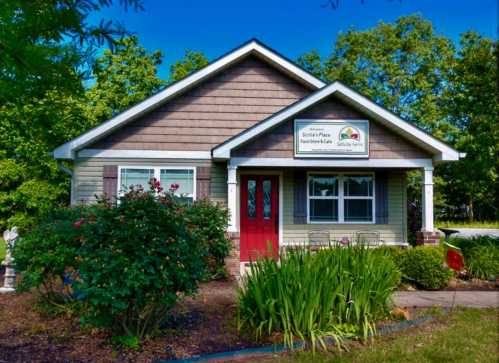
<point x="201" y="325"/>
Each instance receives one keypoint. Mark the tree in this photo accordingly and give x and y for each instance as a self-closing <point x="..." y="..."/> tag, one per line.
<point x="409" y="69"/>
<point x="42" y="43"/>
<point x="403" y="66"/>
<point x="191" y="62"/>
<point x="124" y="76"/>
<point x="44" y="48"/>
<point x="473" y="109"/>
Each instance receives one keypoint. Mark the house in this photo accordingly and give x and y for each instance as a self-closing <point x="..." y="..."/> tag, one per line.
<point x="288" y="154"/>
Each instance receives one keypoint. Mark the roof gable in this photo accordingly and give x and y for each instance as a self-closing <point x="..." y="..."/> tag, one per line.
<point x="439" y="150"/>
<point x="253" y="47"/>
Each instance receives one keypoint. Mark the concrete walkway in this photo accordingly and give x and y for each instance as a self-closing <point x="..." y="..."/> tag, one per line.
<point x="475" y="299"/>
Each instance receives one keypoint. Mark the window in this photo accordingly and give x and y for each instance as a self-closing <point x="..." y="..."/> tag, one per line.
<point x="338" y="198"/>
<point x="251" y="198"/>
<point x="136" y="177"/>
<point x="184" y="177"/>
<point x="323" y="194"/>
<point x="358" y="198"/>
<point x="267" y="199"/>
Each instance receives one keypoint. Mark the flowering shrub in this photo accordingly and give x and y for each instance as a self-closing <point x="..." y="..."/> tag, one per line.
<point x="207" y="222"/>
<point x="130" y="262"/>
<point x="47" y="256"/>
<point x="137" y="260"/>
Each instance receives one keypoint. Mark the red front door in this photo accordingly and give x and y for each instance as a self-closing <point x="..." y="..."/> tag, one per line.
<point x="259" y="216"/>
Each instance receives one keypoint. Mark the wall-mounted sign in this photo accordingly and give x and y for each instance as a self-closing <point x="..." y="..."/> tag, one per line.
<point x="331" y="138"/>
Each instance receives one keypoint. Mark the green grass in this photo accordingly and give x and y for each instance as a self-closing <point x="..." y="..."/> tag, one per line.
<point x="468" y="335"/>
<point x="461" y="224"/>
<point x="3" y="246"/>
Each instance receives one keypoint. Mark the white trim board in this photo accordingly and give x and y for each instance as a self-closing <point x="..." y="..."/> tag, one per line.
<point x="333" y="163"/>
<point x="67" y="150"/>
<point x="440" y="150"/>
<point x="147" y="154"/>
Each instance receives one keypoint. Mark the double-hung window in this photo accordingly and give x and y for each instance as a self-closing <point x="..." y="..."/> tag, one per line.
<point x="323" y="198"/>
<point x="183" y="177"/>
<point x="358" y="198"/>
<point x="341" y="198"/>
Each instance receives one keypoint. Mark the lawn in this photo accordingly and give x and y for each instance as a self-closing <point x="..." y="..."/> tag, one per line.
<point x="468" y="335"/>
<point x="450" y="224"/>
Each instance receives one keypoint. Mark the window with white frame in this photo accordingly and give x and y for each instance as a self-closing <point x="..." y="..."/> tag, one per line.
<point x="341" y="198"/>
<point x="180" y="180"/>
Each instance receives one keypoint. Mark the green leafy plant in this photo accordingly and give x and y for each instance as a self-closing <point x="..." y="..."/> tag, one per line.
<point x="481" y="255"/>
<point x="47" y="256"/>
<point x="207" y="222"/>
<point x="127" y="341"/>
<point x="126" y="264"/>
<point x="424" y="266"/>
<point x="335" y="292"/>
<point x="137" y="259"/>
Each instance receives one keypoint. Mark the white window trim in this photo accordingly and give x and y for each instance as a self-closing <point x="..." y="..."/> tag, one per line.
<point x="341" y="197"/>
<point x="157" y="174"/>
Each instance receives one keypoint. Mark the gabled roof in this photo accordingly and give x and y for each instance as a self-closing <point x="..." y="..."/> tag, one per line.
<point x="439" y="150"/>
<point x="252" y="47"/>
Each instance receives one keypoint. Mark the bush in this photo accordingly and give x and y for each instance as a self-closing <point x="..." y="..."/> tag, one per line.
<point x="137" y="259"/>
<point x="481" y="255"/>
<point x="395" y="253"/>
<point x="424" y="266"/>
<point x="129" y="263"/>
<point x="47" y="255"/>
<point x="208" y="222"/>
<point x="334" y="292"/>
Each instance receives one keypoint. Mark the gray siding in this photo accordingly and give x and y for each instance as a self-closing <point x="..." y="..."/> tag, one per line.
<point x="394" y="231"/>
<point x="88" y="177"/>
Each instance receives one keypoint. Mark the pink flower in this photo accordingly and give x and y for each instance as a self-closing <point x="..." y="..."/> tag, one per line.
<point x="78" y="223"/>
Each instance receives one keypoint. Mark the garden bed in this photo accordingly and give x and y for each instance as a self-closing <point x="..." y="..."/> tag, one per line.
<point x="201" y="325"/>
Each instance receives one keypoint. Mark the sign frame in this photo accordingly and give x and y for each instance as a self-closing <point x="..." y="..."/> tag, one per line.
<point x="358" y="123"/>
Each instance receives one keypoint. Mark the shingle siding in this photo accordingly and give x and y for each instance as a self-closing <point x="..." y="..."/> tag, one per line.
<point x="278" y="143"/>
<point x="212" y="112"/>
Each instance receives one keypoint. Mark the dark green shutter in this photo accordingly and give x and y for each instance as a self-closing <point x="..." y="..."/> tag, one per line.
<point x="381" y="197"/>
<point x="300" y="197"/>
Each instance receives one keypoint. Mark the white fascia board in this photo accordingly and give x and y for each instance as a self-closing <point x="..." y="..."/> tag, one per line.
<point x="443" y="152"/>
<point x="144" y="154"/>
<point x="67" y="150"/>
<point x="300" y="163"/>
<point x="223" y="151"/>
<point x="287" y="65"/>
<point x="446" y="153"/>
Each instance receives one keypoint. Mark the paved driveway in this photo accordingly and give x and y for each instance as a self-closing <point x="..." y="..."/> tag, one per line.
<point x="476" y="299"/>
<point x="472" y="232"/>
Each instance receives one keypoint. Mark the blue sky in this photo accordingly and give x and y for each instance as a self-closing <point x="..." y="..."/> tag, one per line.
<point x="292" y="27"/>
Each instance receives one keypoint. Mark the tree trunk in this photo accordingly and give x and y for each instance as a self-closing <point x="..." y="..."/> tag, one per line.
<point x="471" y="215"/>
